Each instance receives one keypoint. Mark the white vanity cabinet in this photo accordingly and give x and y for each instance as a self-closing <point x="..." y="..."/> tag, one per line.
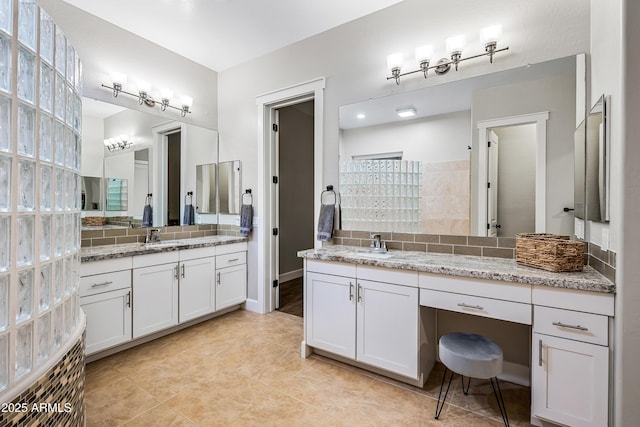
<point x="570" y="356"/>
<point x="155" y="292"/>
<point x="196" y="283"/>
<point x="364" y="313"/>
<point x="231" y="275"/>
<point x="105" y="298"/>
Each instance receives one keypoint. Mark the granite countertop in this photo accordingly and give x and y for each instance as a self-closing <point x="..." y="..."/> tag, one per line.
<point x="99" y="253"/>
<point x="462" y="265"/>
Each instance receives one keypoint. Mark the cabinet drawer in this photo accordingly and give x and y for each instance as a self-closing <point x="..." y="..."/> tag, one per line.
<point x="575" y="325"/>
<point x="333" y="268"/>
<point x="230" y="248"/>
<point x="105" y="266"/>
<point x="574" y="299"/>
<point x="187" y="254"/>
<point x="479" y="287"/>
<point x="229" y="260"/>
<point x="155" y="259"/>
<point x="388" y="275"/>
<point x="99" y="283"/>
<point x="478" y="306"/>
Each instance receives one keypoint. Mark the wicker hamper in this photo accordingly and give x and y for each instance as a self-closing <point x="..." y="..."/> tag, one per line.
<point x="551" y="252"/>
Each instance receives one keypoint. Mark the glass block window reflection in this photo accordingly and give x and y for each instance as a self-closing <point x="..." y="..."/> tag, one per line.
<point x="39" y="213"/>
<point x="380" y="195"/>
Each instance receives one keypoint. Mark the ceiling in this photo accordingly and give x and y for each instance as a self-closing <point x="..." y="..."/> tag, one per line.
<point x="220" y="34"/>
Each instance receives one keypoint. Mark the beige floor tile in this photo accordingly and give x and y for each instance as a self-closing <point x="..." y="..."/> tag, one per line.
<point x="245" y="369"/>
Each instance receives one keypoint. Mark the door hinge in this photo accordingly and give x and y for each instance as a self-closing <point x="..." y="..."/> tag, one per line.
<point x="275" y="127"/>
<point x="275" y="283"/>
<point x="275" y="231"/>
<point x="488" y="226"/>
<point x="488" y="185"/>
<point x="489" y="144"/>
<point x="275" y="179"/>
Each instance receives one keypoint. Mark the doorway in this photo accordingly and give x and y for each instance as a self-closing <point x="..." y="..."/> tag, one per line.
<point x="173" y="178"/>
<point x="294" y="198"/>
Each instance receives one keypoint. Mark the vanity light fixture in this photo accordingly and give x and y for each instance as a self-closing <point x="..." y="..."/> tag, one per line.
<point x="406" y="112"/>
<point x="489" y="36"/>
<point x="117" y="143"/>
<point x="118" y="80"/>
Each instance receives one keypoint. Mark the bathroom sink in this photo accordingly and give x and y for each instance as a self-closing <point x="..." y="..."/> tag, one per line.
<point x="372" y="254"/>
<point x="163" y="243"/>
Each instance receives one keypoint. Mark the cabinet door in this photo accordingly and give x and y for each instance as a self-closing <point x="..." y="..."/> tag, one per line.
<point x="197" y="294"/>
<point x="108" y="319"/>
<point x="330" y="313"/>
<point x="569" y="381"/>
<point x="155" y="298"/>
<point x="231" y="286"/>
<point x="387" y="326"/>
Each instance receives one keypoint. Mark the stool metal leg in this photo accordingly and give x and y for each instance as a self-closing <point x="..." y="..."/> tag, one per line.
<point x="438" y="405"/>
<point x="498" y="393"/>
<point x="465" y="391"/>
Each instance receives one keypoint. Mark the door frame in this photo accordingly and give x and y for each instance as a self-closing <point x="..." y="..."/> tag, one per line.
<point x="267" y="104"/>
<point x="158" y="155"/>
<point x="484" y="126"/>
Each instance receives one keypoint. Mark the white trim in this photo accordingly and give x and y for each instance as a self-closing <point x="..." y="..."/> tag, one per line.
<point x="266" y="105"/>
<point x="484" y="126"/>
<point x="253" y="305"/>
<point x="290" y="275"/>
<point x="159" y="155"/>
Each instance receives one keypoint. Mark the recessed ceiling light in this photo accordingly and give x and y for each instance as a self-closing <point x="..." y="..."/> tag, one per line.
<point x="406" y="112"/>
<point x="361" y="116"/>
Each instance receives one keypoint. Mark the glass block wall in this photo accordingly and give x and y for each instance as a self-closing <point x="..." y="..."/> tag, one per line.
<point x="40" y="113"/>
<point x="380" y="195"/>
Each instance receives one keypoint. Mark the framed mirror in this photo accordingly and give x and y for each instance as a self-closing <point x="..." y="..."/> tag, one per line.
<point x="206" y="188"/>
<point x="229" y="187"/>
<point x="596" y="163"/>
<point x="91" y="193"/>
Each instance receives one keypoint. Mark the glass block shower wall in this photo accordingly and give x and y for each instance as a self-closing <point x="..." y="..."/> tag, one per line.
<point x="40" y="114"/>
<point x="380" y="195"/>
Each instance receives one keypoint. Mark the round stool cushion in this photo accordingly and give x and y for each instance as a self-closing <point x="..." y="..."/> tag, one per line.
<point x="471" y="355"/>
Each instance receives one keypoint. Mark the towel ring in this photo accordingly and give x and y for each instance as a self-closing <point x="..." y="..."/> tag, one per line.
<point x="247" y="193"/>
<point x="329" y="191"/>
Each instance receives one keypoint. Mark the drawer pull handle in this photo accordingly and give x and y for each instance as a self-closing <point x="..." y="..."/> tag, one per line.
<point x="218" y="278"/>
<point x="564" y="325"/>
<point x="476" y="307"/>
<point x="97" y="285"/>
<point x="175" y="272"/>
<point x="359" y="290"/>
<point x="350" y="291"/>
<point x="183" y="271"/>
<point x="128" y="300"/>
<point x="539" y="352"/>
<point x="234" y="260"/>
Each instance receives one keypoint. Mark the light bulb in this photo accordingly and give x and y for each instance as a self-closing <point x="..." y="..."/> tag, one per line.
<point x="166" y="94"/>
<point x="455" y="44"/>
<point x="187" y="101"/>
<point x="119" y="78"/>
<point x="143" y="86"/>
<point x="394" y="61"/>
<point x="424" y="53"/>
<point x="490" y="34"/>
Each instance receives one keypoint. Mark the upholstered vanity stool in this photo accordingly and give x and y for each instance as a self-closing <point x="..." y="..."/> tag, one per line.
<point x="472" y="356"/>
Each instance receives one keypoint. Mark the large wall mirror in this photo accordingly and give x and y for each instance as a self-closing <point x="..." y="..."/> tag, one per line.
<point x="409" y="162"/>
<point x="160" y="160"/>
<point x="597" y="169"/>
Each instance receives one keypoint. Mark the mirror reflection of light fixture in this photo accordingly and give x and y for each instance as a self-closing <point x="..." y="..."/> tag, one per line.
<point x="489" y="36"/>
<point x="118" y="80"/>
<point x="406" y="112"/>
<point x="121" y="142"/>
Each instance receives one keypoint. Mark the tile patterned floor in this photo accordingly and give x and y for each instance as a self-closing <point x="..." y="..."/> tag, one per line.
<point x="291" y="297"/>
<point x="244" y="369"/>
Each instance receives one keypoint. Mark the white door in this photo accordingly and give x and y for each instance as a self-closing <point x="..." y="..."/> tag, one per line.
<point x="155" y="298"/>
<point x="197" y="291"/>
<point x="387" y="327"/>
<point x="492" y="185"/>
<point x="231" y="286"/>
<point x="331" y="313"/>
<point x="569" y="381"/>
<point x="108" y="319"/>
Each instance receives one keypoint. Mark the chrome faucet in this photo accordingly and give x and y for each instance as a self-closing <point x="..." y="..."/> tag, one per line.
<point x="377" y="244"/>
<point x="153" y="235"/>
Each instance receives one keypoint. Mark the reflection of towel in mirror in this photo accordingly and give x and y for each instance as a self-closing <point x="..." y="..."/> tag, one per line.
<point x="189" y="215"/>
<point x="147" y="216"/>
<point x="246" y="219"/>
<point x="325" y="222"/>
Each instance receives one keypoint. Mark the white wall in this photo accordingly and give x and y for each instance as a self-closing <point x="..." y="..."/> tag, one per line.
<point x="352" y="58"/>
<point x="92" y="146"/>
<point x="105" y="48"/>
<point x="434" y="139"/>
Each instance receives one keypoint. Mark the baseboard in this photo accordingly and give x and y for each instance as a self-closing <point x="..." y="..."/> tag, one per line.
<point x="253" y="305"/>
<point x="290" y="275"/>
